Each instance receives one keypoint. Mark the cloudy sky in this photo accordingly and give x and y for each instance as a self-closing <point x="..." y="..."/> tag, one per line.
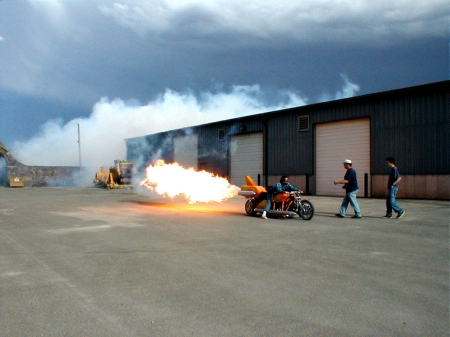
<point x="133" y="67"/>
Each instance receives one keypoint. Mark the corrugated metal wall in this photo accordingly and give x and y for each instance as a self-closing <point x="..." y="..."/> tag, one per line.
<point x="146" y="150"/>
<point x="411" y="124"/>
<point x="245" y="157"/>
<point x="213" y="152"/>
<point x="289" y="151"/>
<point x="333" y="145"/>
<point x="415" y="131"/>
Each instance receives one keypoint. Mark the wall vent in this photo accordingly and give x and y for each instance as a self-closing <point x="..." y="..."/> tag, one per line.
<point x="303" y="123"/>
<point x="221" y="135"/>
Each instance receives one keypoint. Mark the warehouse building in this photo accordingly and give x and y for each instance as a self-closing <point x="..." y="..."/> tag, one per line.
<point x="309" y="143"/>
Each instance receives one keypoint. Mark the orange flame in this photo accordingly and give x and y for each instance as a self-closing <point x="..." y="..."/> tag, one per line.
<point x="197" y="186"/>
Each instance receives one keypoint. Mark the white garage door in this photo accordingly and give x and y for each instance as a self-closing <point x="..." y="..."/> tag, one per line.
<point x="246" y="158"/>
<point x="338" y="141"/>
<point x="186" y="151"/>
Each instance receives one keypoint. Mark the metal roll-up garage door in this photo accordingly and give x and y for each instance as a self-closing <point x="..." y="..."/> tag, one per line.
<point x="335" y="142"/>
<point x="186" y="151"/>
<point x="246" y="157"/>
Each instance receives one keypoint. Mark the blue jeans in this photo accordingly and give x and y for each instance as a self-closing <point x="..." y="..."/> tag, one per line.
<point x="350" y="198"/>
<point x="269" y="201"/>
<point x="391" y="204"/>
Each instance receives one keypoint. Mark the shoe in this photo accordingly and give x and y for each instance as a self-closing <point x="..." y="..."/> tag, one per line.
<point x="388" y="216"/>
<point x="356" y="217"/>
<point x="263" y="216"/>
<point x="399" y="215"/>
<point x="339" y="215"/>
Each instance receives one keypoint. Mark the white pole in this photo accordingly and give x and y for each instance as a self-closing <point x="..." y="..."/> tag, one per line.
<point x="79" y="144"/>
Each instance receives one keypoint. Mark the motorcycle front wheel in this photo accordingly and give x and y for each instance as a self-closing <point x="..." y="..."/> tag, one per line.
<point x="306" y="210"/>
<point x="249" y="209"/>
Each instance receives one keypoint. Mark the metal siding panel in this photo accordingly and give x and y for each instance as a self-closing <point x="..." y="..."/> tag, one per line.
<point x="289" y="151"/>
<point x="186" y="151"/>
<point x="145" y="150"/>
<point x="246" y="157"/>
<point x="423" y="112"/>
<point x="214" y="153"/>
<point x="211" y="151"/>
<point x="413" y="128"/>
<point x="338" y="141"/>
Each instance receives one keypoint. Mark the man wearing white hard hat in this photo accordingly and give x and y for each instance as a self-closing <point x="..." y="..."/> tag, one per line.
<point x="350" y="183"/>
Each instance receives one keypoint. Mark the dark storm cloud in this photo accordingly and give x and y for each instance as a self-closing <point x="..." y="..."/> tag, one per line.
<point x="58" y="59"/>
<point x="362" y="22"/>
<point x="77" y="51"/>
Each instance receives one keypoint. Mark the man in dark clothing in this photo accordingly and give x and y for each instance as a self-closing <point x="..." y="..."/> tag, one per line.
<point x="393" y="185"/>
<point x="350" y="183"/>
<point x="282" y="186"/>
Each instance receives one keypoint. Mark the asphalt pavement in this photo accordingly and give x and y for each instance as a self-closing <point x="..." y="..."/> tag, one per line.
<point x="96" y="262"/>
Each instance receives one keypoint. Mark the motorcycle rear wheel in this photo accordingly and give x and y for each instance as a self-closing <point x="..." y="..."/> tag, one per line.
<point x="306" y="210"/>
<point x="249" y="209"/>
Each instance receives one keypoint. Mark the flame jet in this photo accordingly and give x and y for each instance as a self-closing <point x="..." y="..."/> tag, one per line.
<point x="197" y="186"/>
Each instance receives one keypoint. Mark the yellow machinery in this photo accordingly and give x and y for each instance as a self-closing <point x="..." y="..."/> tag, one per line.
<point x="119" y="175"/>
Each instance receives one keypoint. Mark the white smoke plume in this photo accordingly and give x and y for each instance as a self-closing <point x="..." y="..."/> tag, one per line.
<point x="102" y="134"/>
<point x="348" y="90"/>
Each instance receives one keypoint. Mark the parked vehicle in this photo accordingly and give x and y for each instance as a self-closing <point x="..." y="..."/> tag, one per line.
<point x="285" y="204"/>
<point x="119" y="176"/>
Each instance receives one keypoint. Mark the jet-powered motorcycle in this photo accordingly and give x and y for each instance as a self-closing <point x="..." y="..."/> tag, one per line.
<point x="286" y="204"/>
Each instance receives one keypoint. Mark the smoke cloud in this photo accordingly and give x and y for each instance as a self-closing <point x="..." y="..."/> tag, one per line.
<point x="348" y="90"/>
<point x="102" y="134"/>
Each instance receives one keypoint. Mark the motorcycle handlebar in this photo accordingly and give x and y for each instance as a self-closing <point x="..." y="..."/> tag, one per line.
<point x="295" y="192"/>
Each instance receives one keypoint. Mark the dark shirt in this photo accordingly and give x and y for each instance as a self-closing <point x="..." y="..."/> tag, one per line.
<point x="352" y="184"/>
<point x="393" y="176"/>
